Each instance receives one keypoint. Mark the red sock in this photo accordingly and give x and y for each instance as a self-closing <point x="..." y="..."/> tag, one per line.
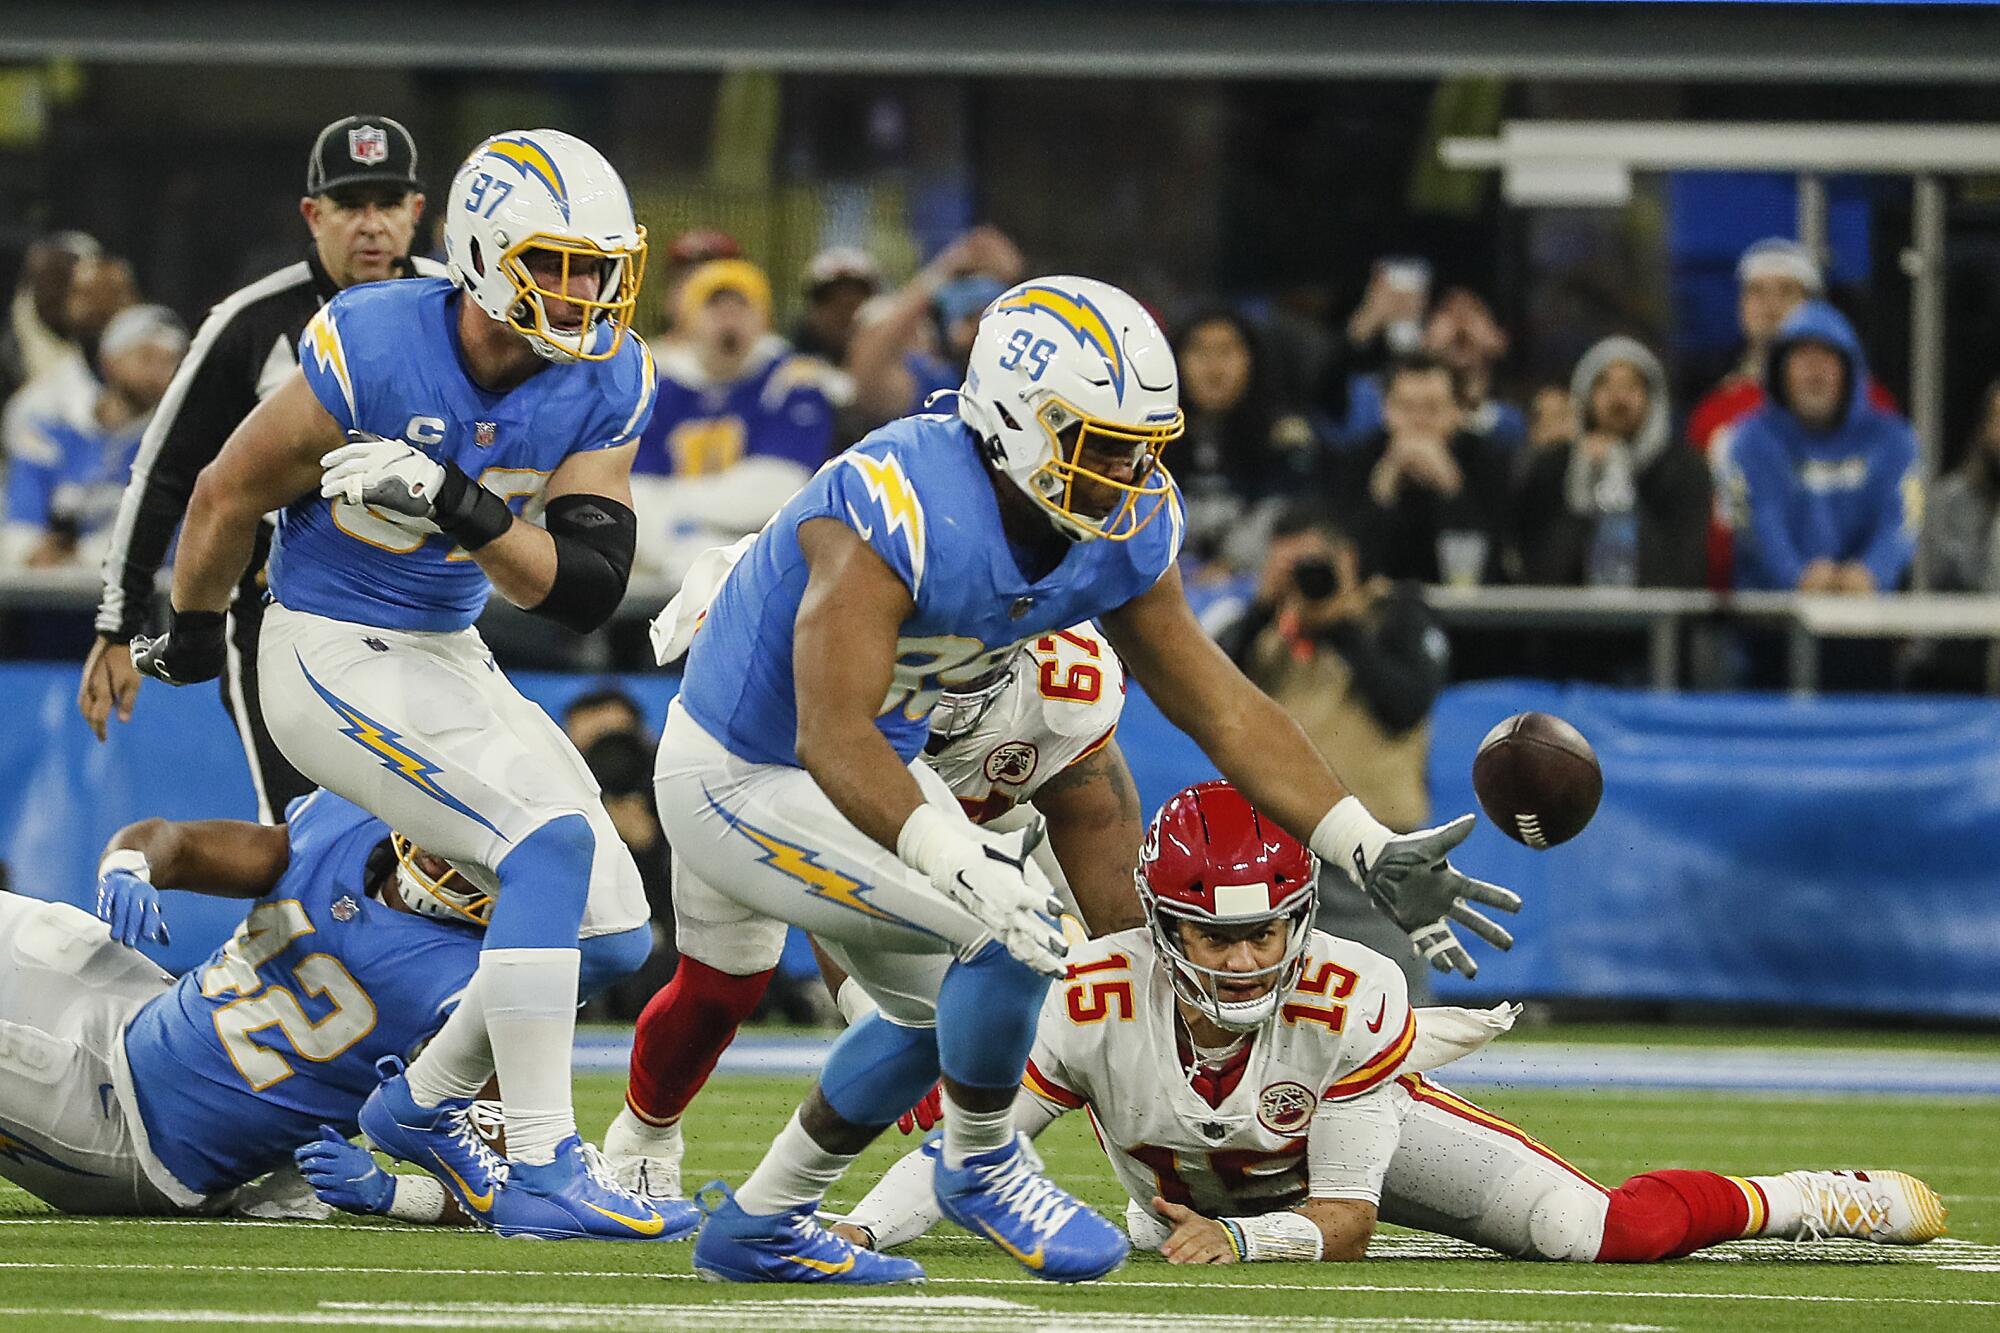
<point x="682" y="1032"/>
<point x="1666" y="1214"/>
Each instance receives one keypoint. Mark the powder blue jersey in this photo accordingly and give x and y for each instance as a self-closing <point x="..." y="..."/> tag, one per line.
<point x="384" y="357"/>
<point x="918" y="494"/>
<point x="279" y="1030"/>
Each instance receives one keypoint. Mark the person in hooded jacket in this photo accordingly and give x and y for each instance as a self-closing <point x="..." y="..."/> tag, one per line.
<point x="1821" y="485"/>
<point x="1625" y="502"/>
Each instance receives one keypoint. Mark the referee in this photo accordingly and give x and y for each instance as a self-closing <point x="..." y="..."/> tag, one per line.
<point x="362" y="204"/>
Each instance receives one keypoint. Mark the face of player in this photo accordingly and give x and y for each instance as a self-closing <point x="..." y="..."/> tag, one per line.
<point x="1241" y="950"/>
<point x="1215" y="366"/>
<point x="1815" y="378"/>
<point x="1421" y="404"/>
<point x="584" y="280"/>
<point x="1762" y="304"/>
<point x="1619" y="400"/>
<point x="1094" y="499"/>
<point x="362" y="230"/>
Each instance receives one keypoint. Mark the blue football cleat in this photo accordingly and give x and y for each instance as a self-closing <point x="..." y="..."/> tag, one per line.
<point x="1000" y="1195"/>
<point x="575" y="1197"/>
<point x="735" y="1246"/>
<point x="440" y="1139"/>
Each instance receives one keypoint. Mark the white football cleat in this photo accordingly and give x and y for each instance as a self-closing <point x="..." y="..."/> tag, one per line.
<point x="1886" y="1207"/>
<point x="645" y="1159"/>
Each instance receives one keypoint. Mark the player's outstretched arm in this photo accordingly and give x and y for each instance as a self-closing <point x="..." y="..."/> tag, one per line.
<point x="1266" y="754"/>
<point x="1094" y="823"/>
<point x="221" y="857"/>
<point x="1336" y="1230"/>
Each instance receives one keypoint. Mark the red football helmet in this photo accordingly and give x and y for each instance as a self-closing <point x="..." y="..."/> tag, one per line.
<point x="1209" y="857"/>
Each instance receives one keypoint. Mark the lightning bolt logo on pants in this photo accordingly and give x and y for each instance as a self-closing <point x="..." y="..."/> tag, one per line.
<point x="800" y="864"/>
<point x="384" y="743"/>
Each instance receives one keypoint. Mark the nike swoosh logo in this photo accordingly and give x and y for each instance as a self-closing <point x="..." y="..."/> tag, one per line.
<point x="1033" y="1260"/>
<point x="1380" y="1010"/>
<point x="826" y="1266"/>
<point x="867" y="530"/>
<point x="645" y="1226"/>
<point x="479" y="1203"/>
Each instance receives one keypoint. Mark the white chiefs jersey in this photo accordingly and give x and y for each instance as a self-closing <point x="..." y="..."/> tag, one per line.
<point x="1109" y="1041"/>
<point x="1060" y="704"/>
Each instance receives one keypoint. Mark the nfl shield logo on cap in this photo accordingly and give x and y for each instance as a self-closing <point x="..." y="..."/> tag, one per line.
<point x="368" y="144"/>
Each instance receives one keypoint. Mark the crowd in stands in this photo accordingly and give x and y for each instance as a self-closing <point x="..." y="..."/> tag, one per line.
<point x="1402" y="446"/>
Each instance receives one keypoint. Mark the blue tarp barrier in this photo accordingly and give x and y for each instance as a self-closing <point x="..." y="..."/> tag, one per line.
<point x="1840" y="852"/>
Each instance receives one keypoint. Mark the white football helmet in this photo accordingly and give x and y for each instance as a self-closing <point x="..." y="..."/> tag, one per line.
<point x="1069" y="376"/>
<point x="545" y="190"/>
<point x="452" y="897"/>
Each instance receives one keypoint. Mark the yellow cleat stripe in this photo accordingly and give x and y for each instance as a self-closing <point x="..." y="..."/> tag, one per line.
<point x="1034" y="1260"/>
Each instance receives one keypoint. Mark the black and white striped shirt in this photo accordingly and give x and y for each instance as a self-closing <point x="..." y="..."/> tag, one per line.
<point x="240" y="355"/>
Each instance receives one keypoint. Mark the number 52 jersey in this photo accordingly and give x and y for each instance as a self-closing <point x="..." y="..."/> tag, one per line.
<point x="279" y="1030"/>
<point x="1110" y="1041"/>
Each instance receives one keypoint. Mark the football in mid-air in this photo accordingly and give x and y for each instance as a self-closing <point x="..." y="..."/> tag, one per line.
<point x="1537" y="778"/>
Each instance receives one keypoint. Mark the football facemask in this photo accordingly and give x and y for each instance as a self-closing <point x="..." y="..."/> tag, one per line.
<point x="450" y="897"/>
<point x="620" y="272"/>
<point x="1066" y="480"/>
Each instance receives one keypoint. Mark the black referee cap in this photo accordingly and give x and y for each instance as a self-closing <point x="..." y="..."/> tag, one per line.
<point x="362" y="150"/>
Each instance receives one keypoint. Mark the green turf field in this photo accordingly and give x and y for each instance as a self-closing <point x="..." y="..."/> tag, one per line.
<point x="58" y="1273"/>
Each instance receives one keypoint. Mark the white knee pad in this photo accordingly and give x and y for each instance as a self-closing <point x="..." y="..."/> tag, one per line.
<point x="1566" y="1223"/>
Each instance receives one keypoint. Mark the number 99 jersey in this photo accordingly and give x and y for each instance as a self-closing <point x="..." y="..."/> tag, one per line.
<point x="917" y="493"/>
<point x="1301" y="1110"/>
<point x="279" y="1030"/>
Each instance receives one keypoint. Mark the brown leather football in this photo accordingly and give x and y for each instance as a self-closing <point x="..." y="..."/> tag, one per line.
<point x="1538" y="779"/>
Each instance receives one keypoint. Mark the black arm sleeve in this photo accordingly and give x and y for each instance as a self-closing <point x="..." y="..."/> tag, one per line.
<point x="1399" y="656"/>
<point x="212" y="392"/>
<point x="594" y="539"/>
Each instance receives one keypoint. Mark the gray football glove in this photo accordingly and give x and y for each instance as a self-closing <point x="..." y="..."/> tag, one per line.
<point x="1421" y="891"/>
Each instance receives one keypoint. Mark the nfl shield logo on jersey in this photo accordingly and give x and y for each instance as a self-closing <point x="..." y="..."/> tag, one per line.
<point x="1284" y="1108"/>
<point x="345" y="908"/>
<point x="368" y="144"/>
<point x="483" y="432"/>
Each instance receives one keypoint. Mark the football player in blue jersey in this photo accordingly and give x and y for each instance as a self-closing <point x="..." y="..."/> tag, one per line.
<point x="790" y="782"/>
<point x="468" y="405"/>
<point x="125" y="1091"/>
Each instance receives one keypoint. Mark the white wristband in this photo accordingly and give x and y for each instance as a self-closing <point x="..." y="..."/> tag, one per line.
<point x="1285" y="1237"/>
<point x="927" y="838"/>
<point x="1350" y="837"/>
<point x="418" y="1199"/>
<point x="129" y="859"/>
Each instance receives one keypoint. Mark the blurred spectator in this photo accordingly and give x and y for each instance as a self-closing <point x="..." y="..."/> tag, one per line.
<point x="916" y="340"/>
<point x="1774" y="277"/>
<point x="1240" y="449"/>
<point x="622" y="763"/>
<point x="740" y="424"/>
<point x="1358" y="665"/>
<point x="1961" y="537"/>
<point x="1551" y="417"/>
<point x="71" y="455"/>
<point x="1625" y="503"/>
<point x="1822" y="486"/>
<point x="689" y="251"/>
<point x="599" y="712"/>
<point x="37" y="333"/>
<point x="839" y="280"/>
<point x="1387" y="324"/>
<point x="1423" y="493"/>
<point x="1463" y="334"/>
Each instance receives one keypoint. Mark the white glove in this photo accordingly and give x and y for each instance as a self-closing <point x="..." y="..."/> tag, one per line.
<point x="991" y="884"/>
<point x="369" y="470"/>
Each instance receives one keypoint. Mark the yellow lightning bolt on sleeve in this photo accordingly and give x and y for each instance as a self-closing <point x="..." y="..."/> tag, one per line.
<point x="897" y="499"/>
<point x="324" y="340"/>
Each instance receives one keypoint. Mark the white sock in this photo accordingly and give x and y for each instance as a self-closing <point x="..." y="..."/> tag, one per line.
<point x="642" y="1137"/>
<point x="530" y="999"/>
<point x="967" y="1133"/>
<point x="458" y="1061"/>
<point x="796" y="1171"/>
<point x="1785" y="1201"/>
